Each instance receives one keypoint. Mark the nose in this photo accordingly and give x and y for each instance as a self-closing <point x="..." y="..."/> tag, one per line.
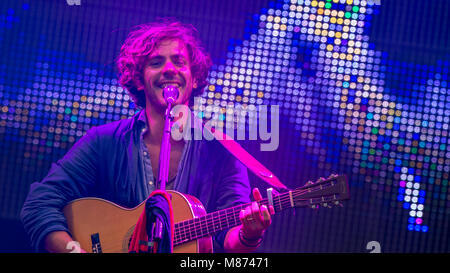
<point x="169" y="68"/>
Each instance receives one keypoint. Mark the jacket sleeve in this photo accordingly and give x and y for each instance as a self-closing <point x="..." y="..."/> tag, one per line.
<point x="233" y="189"/>
<point x="71" y="177"/>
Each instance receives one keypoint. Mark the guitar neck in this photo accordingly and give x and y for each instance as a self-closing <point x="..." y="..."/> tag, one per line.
<point x="222" y="219"/>
<point x="326" y="192"/>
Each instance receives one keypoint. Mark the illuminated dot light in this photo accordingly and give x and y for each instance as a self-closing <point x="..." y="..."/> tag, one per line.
<point x="60" y="107"/>
<point x="314" y="60"/>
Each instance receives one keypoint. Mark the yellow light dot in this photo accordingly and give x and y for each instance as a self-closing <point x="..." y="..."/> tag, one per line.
<point x="349" y="57"/>
<point x="260" y="94"/>
<point x="212" y="87"/>
<point x="283" y="27"/>
<point x="349" y="2"/>
<point x="324" y="32"/>
<point x="320" y="11"/>
<point x="269" y="18"/>
<point x="329" y="47"/>
<point x="5" y="109"/>
<point x="338" y="35"/>
<point x="238" y="98"/>
<point x="333" y="20"/>
<point x="111" y="102"/>
<point x="317" y="31"/>
<point x="277" y="19"/>
<point x="314" y="3"/>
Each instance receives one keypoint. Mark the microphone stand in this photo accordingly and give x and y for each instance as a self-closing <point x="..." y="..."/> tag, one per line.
<point x="164" y="153"/>
<point x="170" y="95"/>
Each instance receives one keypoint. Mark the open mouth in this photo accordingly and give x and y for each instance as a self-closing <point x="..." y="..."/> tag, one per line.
<point x="165" y="84"/>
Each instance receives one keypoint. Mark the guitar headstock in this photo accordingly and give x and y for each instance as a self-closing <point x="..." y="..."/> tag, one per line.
<point x="326" y="192"/>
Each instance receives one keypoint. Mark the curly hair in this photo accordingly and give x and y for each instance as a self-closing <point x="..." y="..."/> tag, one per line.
<point x="144" y="39"/>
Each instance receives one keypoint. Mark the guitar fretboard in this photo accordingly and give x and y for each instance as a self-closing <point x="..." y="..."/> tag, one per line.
<point x="220" y="220"/>
<point x="325" y="192"/>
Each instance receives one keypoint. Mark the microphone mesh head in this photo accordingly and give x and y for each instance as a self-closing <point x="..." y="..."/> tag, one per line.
<point x="170" y="93"/>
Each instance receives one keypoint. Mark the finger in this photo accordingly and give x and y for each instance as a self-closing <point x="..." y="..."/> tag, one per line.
<point x="256" y="212"/>
<point x="246" y="216"/>
<point x="256" y="194"/>
<point x="271" y="210"/>
<point x="266" y="216"/>
<point x="242" y="216"/>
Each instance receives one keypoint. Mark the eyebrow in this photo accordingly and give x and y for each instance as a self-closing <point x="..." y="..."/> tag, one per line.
<point x="172" y="56"/>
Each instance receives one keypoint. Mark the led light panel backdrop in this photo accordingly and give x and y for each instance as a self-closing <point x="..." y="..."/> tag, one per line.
<point x="361" y="88"/>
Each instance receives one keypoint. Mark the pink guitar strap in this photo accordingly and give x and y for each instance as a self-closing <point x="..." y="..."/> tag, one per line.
<point x="248" y="160"/>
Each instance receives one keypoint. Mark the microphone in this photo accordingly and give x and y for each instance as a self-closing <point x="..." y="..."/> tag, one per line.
<point x="170" y="94"/>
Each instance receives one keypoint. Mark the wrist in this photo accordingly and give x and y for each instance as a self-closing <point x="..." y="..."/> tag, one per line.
<point x="249" y="242"/>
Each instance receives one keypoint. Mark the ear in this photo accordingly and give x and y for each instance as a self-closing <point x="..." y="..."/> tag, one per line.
<point x="139" y="85"/>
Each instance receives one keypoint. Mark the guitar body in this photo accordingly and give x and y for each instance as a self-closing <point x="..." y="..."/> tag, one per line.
<point x="92" y="220"/>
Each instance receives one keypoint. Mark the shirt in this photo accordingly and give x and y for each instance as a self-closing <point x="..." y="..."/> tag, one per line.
<point x="111" y="162"/>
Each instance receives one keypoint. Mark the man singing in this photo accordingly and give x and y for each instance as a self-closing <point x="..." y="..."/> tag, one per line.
<point x="119" y="161"/>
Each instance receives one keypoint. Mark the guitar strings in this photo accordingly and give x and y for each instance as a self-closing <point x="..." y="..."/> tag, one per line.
<point x="206" y="225"/>
<point x="184" y="230"/>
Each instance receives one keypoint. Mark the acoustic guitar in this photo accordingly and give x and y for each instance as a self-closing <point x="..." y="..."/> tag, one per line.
<point x="102" y="226"/>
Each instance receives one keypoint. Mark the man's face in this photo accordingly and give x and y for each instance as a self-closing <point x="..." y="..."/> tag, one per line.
<point x="168" y="64"/>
